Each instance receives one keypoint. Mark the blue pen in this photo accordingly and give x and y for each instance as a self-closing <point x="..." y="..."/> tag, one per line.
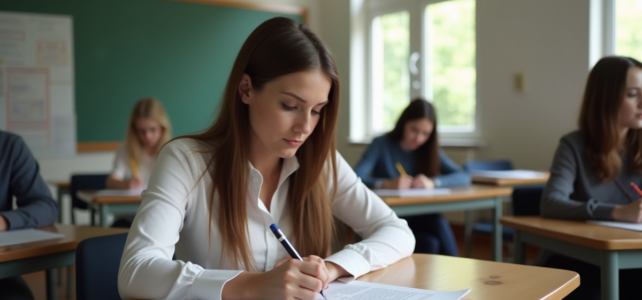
<point x="288" y="247"/>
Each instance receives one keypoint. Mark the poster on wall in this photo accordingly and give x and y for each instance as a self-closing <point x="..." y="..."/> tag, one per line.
<point x="37" y="82"/>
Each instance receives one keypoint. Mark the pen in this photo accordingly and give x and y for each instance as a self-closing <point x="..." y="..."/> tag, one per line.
<point x="288" y="247"/>
<point x="132" y="163"/>
<point x="400" y="169"/>
<point x="636" y="188"/>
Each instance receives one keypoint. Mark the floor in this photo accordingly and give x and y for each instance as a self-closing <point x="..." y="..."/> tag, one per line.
<point x="481" y="250"/>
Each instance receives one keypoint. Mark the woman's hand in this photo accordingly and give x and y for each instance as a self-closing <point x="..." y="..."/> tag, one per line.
<point x="134" y="183"/>
<point x="312" y="259"/>
<point x="402" y="183"/>
<point x="290" y="279"/>
<point x="631" y="212"/>
<point x="335" y="271"/>
<point x="422" y="182"/>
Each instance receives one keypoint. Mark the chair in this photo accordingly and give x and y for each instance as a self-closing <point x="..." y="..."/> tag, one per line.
<point x="85" y="182"/>
<point x="525" y="200"/>
<point x="97" y="262"/>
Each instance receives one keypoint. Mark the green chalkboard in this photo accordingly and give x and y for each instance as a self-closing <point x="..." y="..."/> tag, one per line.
<point x="124" y="50"/>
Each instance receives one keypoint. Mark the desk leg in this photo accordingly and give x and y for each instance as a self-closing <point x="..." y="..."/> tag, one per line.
<point x="497" y="230"/>
<point x="70" y="279"/>
<point x="609" y="267"/>
<point x="51" y="284"/>
<point x="468" y="232"/>
<point x="104" y="213"/>
<point x="520" y="248"/>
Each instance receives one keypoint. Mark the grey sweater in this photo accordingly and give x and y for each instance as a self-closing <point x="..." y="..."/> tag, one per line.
<point x="20" y="177"/>
<point x="574" y="190"/>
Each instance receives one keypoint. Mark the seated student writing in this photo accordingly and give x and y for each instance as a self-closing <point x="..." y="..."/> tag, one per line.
<point x="593" y="167"/>
<point x="413" y="144"/>
<point x="20" y="178"/>
<point x="269" y="158"/>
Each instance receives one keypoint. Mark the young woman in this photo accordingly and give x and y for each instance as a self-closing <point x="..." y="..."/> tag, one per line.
<point x="148" y="130"/>
<point x="269" y="158"/>
<point x="594" y="166"/>
<point x="413" y="144"/>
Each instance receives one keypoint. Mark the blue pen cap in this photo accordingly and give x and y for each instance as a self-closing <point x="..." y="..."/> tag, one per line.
<point x="274" y="228"/>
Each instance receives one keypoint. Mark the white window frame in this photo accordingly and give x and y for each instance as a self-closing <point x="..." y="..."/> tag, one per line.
<point x="361" y="124"/>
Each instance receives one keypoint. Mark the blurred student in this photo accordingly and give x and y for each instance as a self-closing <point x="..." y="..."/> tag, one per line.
<point x="20" y="178"/>
<point x="594" y="167"/>
<point x="413" y="144"/>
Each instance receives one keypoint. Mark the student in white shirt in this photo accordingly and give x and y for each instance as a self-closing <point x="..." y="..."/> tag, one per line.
<point x="270" y="157"/>
<point x="148" y="130"/>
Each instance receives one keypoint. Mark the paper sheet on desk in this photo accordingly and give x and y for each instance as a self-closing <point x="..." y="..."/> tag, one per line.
<point x="119" y="192"/>
<point x="411" y="192"/>
<point x="513" y="174"/>
<point x="22" y="236"/>
<point x="358" y="290"/>
<point x="623" y="225"/>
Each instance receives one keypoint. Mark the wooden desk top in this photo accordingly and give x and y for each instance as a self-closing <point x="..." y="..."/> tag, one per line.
<point x="458" y="194"/>
<point x="578" y="232"/>
<point x="90" y="197"/>
<point x="488" y="279"/>
<point x="73" y="236"/>
<point x="509" y="181"/>
<point x="60" y="184"/>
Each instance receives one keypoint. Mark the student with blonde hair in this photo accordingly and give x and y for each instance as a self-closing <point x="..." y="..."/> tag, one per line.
<point x="269" y="158"/>
<point x="147" y="131"/>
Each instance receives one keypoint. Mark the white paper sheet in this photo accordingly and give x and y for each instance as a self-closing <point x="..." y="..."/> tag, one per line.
<point x="411" y="192"/>
<point x="358" y="290"/>
<point x="21" y="236"/>
<point x="517" y="174"/>
<point x="623" y="225"/>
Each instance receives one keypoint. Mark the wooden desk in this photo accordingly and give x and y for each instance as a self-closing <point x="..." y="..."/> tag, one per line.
<point x="50" y="254"/>
<point x="510" y="181"/>
<point x="461" y="199"/>
<point x="62" y="188"/>
<point x="609" y="248"/>
<point x="110" y="204"/>
<point x="488" y="280"/>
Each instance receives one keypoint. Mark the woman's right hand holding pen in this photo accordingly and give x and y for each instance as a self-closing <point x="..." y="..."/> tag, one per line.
<point x="631" y="212"/>
<point x="134" y="183"/>
<point x="290" y="279"/>
<point x="403" y="182"/>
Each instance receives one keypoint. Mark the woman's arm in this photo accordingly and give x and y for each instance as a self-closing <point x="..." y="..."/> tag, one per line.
<point x="368" y="162"/>
<point x="117" y="179"/>
<point x="556" y="199"/>
<point x="386" y="238"/>
<point x="452" y="174"/>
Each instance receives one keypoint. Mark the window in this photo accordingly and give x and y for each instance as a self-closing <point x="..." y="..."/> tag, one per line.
<point x="419" y="48"/>
<point x="628" y="28"/>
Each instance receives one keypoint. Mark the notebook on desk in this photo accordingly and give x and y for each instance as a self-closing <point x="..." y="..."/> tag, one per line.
<point x="622" y="225"/>
<point x="368" y="290"/>
<point x="30" y="235"/>
<point x="411" y="192"/>
<point x="513" y="174"/>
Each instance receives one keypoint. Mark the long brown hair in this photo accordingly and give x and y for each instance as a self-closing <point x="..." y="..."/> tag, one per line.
<point x="603" y="97"/>
<point x="146" y="108"/>
<point x="428" y="153"/>
<point x="275" y="48"/>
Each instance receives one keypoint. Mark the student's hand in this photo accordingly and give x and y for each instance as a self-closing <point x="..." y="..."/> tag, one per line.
<point x="292" y="280"/>
<point x="335" y="271"/>
<point x="631" y="212"/>
<point x="4" y="225"/>
<point x="402" y="183"/>
<point x="313" y="259"/>
<point x="422" y="182"/>
<point x="134" y="183"/>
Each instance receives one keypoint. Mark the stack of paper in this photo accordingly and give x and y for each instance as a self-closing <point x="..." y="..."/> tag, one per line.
<point x="411" y="192"/>
<point x="513" y="174"/>
<point x="22" y="236"/>
<point x="358" y="290"/>
<point x="623" y="225"/>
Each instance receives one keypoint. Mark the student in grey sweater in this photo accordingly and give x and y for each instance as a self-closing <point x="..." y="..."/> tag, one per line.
<point x="594" y="167"/>
<point x="20" y="178"/>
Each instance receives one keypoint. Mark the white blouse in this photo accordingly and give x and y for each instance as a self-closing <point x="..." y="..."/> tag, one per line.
<point x="122" y="168"/>
<point x="174" y="218"/>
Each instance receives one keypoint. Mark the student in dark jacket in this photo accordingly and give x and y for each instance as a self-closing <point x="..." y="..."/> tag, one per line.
<point x="594" y="166"/>
<point x="413" y="143"/>
<point x="20" y="178"/>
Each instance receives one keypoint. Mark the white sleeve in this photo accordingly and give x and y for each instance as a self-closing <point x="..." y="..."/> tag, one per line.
<point x="386" y="238"/>
<point x="121" y="164"/>
<point x="147" y="270"/>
